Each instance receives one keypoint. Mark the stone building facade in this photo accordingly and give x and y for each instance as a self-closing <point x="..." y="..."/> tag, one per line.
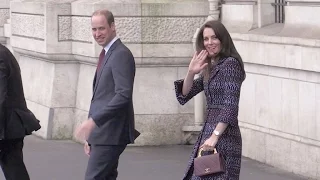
<point x="279" y="42"/>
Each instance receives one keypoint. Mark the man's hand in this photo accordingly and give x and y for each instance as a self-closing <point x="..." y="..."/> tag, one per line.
<point x="84" y="130"/>
<point x="86" y="148"/>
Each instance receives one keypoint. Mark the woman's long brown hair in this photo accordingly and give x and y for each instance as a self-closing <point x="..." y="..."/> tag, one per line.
<point x="227" y="47"/>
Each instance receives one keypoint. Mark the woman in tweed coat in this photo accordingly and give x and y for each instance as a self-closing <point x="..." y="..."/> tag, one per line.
<point x="221" y="76"/>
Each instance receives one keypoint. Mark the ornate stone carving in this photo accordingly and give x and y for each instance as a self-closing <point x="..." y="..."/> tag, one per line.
<point x="214" y="11"/>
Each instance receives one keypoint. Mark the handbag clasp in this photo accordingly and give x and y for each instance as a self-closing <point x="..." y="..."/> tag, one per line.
<point x="201" y="149"/>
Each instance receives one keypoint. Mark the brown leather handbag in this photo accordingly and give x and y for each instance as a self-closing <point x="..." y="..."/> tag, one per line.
<point x="209" y="164"/>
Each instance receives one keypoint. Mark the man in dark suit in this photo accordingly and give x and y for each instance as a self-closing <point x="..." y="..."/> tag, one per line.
<point x="110" y="126"/>
<point x="16" y="120"/>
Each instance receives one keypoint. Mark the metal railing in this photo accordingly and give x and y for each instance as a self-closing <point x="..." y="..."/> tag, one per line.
<point x="279" y="10"/>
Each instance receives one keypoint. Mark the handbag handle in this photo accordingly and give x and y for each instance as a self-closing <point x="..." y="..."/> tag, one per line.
<point x="201" y="149"/>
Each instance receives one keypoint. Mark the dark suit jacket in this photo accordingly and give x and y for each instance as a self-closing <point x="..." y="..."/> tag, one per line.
<point x="16" y="120"/>
<point x="111" y="105"/>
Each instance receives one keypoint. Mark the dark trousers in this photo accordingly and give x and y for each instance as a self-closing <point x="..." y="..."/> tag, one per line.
<point x="11" y="160"/>
<point x="103" y="162"/>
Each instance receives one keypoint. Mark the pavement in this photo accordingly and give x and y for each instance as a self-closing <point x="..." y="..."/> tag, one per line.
<point x="65" y="160"/>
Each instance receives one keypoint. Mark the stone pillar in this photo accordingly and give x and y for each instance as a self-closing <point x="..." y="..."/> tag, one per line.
<point x="240" y="16"/>
<point x="199" y="103"/>
<point x="214" y="11"/>
<point x="193" y="130"/>
<point x="58" y="58"/>
<point x="266" y="13"/>
<point x="41" y="35"/>
<point x="199" y="100"/>
<point x="302" y="19"/>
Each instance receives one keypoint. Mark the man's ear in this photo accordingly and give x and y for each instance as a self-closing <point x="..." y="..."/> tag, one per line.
<point x="113" y="26"/>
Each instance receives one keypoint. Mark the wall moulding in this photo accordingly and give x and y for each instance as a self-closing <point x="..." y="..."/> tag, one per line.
<point x="240" y="2"/>
<point x="315" y="43"/>
<point x="281" y="134"/>
<point x="54" y="58"/>
<point x="71" y="59"/>
<point x="303" y="3"/>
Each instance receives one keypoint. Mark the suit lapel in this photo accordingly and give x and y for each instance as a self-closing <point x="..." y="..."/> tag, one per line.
<point x="105" y="60"/>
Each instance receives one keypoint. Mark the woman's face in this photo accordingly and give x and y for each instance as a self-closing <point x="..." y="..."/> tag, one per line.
<point x="211" y="42"/>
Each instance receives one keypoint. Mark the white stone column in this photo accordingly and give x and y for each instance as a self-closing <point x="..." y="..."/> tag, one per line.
<point x="192" y="130"/>
<point x="240" y="16"/>
<point x="266" y="13"/>
<point x="214" y="12"/>
<point x="199" y="100"/>
<point x="40" y="35"/>
<point x="199" y="104"/>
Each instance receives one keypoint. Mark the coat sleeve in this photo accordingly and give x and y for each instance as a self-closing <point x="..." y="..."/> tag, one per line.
<point x="197" y="87"/>
<point x="3" y="89"/>
<point x="123" y="72"/>
<point x="233" y="78"/>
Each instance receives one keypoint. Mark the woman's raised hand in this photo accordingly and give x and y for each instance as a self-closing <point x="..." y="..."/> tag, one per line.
<point x="198" y="62"/>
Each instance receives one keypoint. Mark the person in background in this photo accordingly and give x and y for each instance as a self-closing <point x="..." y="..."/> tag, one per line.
<point x="16" y="120"/>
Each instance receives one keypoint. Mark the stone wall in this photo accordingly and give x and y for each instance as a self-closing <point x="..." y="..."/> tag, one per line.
<point x="280" y="99"/>
<point x="280" y="102"/>
<point x="279" y="106"/>
<point x="57" y="54"/>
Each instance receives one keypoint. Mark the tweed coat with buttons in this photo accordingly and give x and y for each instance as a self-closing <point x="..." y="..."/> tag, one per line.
<point x="222" y="92"/>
